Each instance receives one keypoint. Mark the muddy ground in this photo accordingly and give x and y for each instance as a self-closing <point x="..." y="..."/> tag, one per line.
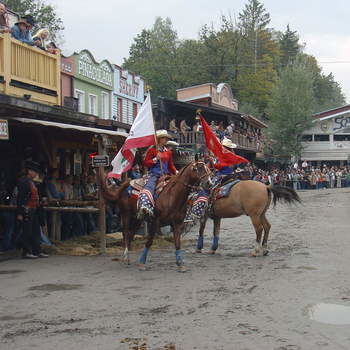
<point x="227" y="301"/>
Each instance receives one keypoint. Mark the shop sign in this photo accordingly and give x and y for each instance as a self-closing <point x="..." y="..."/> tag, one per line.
<point x="341" y="123"/>
<point x="128" y="89"/>
<point x="4" y="130"/>
<point x="101" y="73"/>
<point x="100" y="161"/>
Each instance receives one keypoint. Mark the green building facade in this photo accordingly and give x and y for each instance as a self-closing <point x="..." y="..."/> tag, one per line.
<point x="93" y="85"/>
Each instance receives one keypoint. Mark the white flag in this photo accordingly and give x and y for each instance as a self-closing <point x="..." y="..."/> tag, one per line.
<point x="142" y="134"/>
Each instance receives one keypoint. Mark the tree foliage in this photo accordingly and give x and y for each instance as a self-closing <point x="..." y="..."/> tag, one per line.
<point x="44" y="14"/>
<point x="246" y="54"/>
<point x="291" y="107"/>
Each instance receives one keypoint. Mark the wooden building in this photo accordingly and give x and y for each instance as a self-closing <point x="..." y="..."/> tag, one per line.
<point x="328" y="140"/>
<point x="217" y="104"/>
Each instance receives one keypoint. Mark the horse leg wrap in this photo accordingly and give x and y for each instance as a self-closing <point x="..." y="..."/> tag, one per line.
<point x="143" y="257"/>
<point x="200" y="242"/>
<point x="179" y="258"/>
<point x="215" y="244"/>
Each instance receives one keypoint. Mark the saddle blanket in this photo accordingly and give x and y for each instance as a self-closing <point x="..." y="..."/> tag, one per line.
<point x="137" y="185"/>
<point x="224" y="190"/>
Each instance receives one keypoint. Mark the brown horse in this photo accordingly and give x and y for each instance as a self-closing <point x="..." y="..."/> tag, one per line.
<point x="251" y="198"/>
<point x="170" y="207"/>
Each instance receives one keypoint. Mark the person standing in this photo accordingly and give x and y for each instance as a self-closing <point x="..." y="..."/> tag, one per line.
<point x="28" y="213"/>
<point x="4" y="22"/>
<point x="172" y="126"/>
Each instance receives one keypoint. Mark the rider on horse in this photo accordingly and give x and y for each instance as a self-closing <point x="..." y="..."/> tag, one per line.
<point x="159" y="161"/>
<point x="224" y="168"/>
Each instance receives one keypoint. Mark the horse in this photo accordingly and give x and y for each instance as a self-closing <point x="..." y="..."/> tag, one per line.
<point x="170" y="208"/>
<point x="251" y="198"/>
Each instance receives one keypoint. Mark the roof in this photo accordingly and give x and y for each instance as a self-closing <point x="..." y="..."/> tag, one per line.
<point x="22" y="108"/>
<point x="332" y="112"/>
<point x="195" y="107"/>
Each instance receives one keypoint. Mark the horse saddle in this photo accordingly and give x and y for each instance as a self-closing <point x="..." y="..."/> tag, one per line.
<point x="224" y="190"/>
<point x="137" y="185"/>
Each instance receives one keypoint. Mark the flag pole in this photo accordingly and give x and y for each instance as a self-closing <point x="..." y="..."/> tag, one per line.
<point x="155" y="134"/>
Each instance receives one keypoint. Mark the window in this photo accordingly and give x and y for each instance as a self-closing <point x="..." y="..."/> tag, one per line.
<point x="120" y="109"/>
<point x="306" y="138"/>
<point x="321" y="138"/>
<point x="92" y="104"/>
<point x="80" y="95"/>
<point x="134" y="110"/>
<point x="341" y="137"/>
<point x="104" y="105"/>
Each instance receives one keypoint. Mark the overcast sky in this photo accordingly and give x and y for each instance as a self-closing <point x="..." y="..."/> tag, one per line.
<point x="107" y="27"/>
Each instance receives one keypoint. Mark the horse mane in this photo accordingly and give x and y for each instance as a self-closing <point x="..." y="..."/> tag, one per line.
<point x="173" y="179"/>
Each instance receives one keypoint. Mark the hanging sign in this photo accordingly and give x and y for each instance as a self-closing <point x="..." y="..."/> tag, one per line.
<point x="4" y="130"/>
<point x="100" y="161"/>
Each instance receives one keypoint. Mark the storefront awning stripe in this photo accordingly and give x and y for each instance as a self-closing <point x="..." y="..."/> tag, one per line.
<point x="70" y="126"/>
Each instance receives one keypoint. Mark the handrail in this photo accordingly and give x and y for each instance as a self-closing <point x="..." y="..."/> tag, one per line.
<point x="191" y="138"/>
<point x="30" y="71"/>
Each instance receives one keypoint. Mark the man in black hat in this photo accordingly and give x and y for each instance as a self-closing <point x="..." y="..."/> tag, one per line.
<point x="28" y="213"/>
<point x="22" y="30"/>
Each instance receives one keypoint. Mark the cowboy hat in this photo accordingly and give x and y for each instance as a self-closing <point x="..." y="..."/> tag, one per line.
<point x="31" y="165"/>
<point x="29" y="19"/>
<point x="172" y="143"/>
<point x="162" y="133"/>
<point x="228" y="143"/>
<point x="22" y="20"/>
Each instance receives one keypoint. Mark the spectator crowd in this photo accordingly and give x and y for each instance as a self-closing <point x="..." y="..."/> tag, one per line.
<point x="303" y="177"/>
<point x="238" y="132"/>
<point x="22" y="31"/>
<point x="59" y="191"/>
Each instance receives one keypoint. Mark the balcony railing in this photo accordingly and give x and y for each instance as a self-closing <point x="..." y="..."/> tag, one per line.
<point x="192" y="138"/>
<point x="27" y="70"/>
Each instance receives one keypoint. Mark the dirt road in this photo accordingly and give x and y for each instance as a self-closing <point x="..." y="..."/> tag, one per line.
<point x="227" y="301"/>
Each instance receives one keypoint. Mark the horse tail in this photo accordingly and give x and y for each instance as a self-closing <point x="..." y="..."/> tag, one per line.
<point x="282" y="193"/>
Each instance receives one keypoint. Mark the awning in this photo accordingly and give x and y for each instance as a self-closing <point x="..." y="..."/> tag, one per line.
<point x="70" y="126"/>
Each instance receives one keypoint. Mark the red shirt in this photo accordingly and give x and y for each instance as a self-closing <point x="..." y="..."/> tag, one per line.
<point x="152" y="163"/>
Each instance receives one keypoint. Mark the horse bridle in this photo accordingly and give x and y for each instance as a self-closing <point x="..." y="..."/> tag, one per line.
<point x="194" y="168"/>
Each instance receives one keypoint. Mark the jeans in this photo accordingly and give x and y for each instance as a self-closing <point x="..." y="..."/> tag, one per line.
<point x="31" y="233"/>
<point x="9" y="227"/>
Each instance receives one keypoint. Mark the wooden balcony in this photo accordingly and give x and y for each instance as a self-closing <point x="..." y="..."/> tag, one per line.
<point x="192" y="138"/>
<point x="27" y="70"/>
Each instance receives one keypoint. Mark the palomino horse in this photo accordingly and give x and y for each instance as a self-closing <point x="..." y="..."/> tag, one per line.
<point x="251" y="198"/>
<point x="170" y="207"/>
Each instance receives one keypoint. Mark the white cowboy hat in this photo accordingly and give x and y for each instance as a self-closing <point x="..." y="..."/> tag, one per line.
<point x="162" y="133"/>
<point x="228" y="143"/>
<point x="172" y="143"/>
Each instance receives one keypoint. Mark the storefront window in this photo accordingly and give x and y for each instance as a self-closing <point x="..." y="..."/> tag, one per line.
<point x="306" y="138"/>
<point x="321" y="138"/>
<point x="105" y="105"/>
<point x="92" y="104"/>
<point x="341" y="137"/>
<point x="80" y="95"/>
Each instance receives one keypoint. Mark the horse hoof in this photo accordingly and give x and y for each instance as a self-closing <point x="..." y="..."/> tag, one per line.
<point x="266" y="252"/>
<point x="142" y="267"/>
<point x="182" y="268"/>
<point x="198" y="251"/>
<point x="212" y="252"/>
<point x="254" y="254"/>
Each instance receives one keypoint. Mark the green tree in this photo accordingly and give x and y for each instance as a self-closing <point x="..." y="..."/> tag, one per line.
<point x="259" y="56"/>
<point x="289" y="46"/>
<point x="44" y="14"/>
<point x="154" y="55"/>
<point x="291" y="108"/>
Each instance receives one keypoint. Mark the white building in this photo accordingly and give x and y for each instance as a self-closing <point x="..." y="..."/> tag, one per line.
<point x="128" y="95"/>
<point x="328" y="141"/>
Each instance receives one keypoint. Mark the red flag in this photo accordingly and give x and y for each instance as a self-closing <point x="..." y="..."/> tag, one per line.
<point x="217" y="148"/>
